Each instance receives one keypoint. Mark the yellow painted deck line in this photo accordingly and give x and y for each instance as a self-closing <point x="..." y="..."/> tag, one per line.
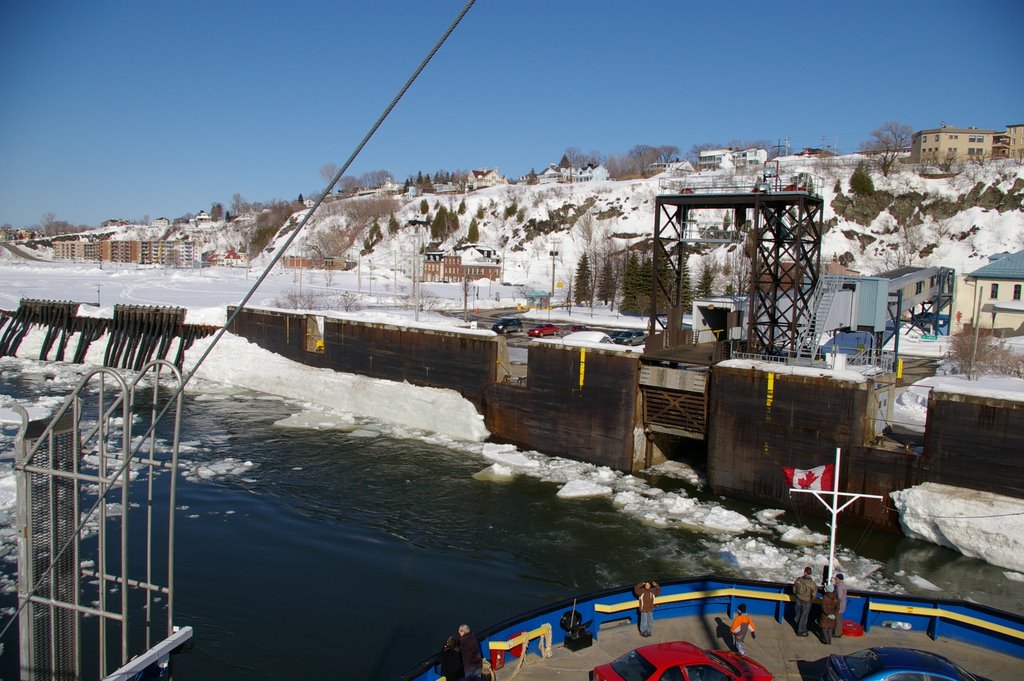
<point x="608" y="608"/>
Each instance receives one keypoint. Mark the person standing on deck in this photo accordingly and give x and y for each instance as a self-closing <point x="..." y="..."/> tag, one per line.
<point x="646" y="592"/>
<point x="841" y="593"/>
<point x="451" y="659"/>
<point x="741" y="624"/>
<point x="804" y="590"/>
<point x="829" y="613"/>
<point x="472" y="660"/>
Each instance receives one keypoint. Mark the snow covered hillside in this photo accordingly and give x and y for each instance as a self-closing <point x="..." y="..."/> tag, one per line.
<point x="955" y="221"/>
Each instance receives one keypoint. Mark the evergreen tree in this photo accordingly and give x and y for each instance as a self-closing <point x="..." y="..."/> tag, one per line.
<point x="632" y="285"/>
<point x="685" y="288"/>
<point x="474" y="232"/>
<point x="707" y="278"/>
<point x="439" y="224"/>
<point x="480" y="212"/>
<point x="606" y="283"/>
<point x="393" y="225"/>
<point x="584" y="282"/>
<point x="424" y="207"/>
<point x="644" y="285"/>
<point x="861" y="183"/>
<point x="564" y="163"/>
<point x="462" y="207"/>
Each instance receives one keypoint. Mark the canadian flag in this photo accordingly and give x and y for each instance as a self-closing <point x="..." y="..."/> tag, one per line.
<point x="820" y="478"/>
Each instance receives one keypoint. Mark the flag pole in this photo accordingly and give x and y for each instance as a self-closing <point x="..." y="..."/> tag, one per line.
<point x="834" y="508"/>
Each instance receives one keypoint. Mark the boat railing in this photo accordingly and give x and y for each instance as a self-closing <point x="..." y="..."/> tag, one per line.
<point x="703" y="596"/>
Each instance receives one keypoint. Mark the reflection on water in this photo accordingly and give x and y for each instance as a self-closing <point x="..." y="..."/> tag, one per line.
<point x="344" y="554"/>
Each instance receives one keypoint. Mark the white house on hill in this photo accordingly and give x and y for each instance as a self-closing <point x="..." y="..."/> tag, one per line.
<point x="714" y="159"/>
<point x="480" y="179"/>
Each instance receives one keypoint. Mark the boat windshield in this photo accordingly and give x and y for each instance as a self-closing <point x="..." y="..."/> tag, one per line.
<point x="633" y="667"/>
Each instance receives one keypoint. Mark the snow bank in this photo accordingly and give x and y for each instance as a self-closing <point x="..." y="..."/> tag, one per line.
<point x="237" y="362"/>
<point x="977" y="524"/>
<point x="778" y="368"/>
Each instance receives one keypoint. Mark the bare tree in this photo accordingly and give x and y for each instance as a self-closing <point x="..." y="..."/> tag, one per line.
<point x="887" y="143"/>
<point x="335" y="241"/>
<point x="974" y="352"/>
<point x="906" y="246"/>
<point x="239" y="205"/>
<point x="980" y="158"/>
<point x="948" y="162"/>
<point x="667" y="153"/>
<point x="737" y="268"/>
<point x="374" y="178"/>
<point x="328" y="171"/>
<point x="349" y="184"/>
<point x="46" y="222"/>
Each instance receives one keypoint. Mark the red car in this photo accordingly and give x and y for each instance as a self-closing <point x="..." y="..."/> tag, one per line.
<point x="681" y="661"/>
<point x="546" y="329"/>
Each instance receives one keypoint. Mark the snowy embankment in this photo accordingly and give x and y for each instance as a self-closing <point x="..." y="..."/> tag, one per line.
<point x="236" y="362"/>
<point x="977" y="524"/>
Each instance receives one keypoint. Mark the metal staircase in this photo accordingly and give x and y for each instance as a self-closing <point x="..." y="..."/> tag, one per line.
<point x="813" y="325"/>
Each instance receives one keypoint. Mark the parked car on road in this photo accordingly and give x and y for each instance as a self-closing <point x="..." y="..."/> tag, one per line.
<point x="507" y="325"/>
<point x="586" y="337"/>
<point x="628" y="337"/>
<point x="575" y="328"/>
<point x="877" y="664"/>
<point x="545" y="329"/>
<point x="680" y="661"/>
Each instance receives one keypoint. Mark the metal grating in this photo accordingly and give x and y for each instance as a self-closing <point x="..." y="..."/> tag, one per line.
<point x="95" y="575"/>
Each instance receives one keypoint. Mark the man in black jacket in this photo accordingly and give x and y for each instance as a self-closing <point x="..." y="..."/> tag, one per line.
<point x="472" y="660"/>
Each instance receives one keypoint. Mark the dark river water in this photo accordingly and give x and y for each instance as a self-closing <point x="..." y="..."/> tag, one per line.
<point x="353" y="555"/>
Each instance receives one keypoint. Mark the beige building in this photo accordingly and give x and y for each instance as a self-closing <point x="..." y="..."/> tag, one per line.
<point x="946" y="144"/>
<point x="994" y="294"/>
<point x="1009" y="144"/>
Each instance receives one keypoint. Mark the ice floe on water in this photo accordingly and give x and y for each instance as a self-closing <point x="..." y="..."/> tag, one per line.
<point x="922" y="583"/>
<point x="758" y="547"/>
<point x="316" y="419"/>
<point x="977" y="524"/>
<point x="194" y="471"/>
<point x="575" y="489"/>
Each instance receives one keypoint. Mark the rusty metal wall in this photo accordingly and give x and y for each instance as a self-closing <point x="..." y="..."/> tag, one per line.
<point x="761" y="422"/>
<point x="553" y="413"/>
<point x="975" y="442"/>
<point x="466" y="363"/>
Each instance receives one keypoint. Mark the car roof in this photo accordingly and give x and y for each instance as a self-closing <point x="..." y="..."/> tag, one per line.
<point x="910" y="658"/>
<point x="586" y="336"/>
<point x="672" y="653"/>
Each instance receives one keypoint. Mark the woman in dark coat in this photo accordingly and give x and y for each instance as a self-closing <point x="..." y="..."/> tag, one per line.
<point x="451" y="659"/>
<point x="829" y="613"/>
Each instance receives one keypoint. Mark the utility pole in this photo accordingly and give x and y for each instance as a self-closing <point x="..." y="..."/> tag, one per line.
<point x="551" y="301"/>
<point x="416" y="224"/>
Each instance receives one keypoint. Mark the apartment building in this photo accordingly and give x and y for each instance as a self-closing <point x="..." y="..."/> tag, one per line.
<point x="1010" y="143"/>
<point x="947" y="143"/>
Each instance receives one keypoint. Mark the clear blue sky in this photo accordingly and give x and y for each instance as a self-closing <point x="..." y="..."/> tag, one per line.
<point x="133" y="108"/>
